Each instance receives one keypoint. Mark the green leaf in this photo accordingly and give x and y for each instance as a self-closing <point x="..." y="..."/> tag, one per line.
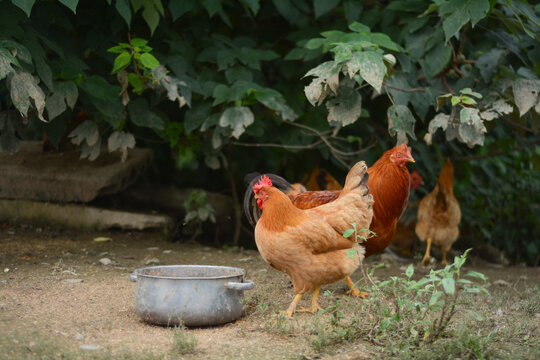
<point x="468" y="100"/>
<point x="121" y="141"/>
<point x="274" y="100"/>
<point x="121" y="61"/>
<point x="475" y="274"/>
<point x="98" y="87"/>
<point x="221" y="94"/>
<point x="179" y="8"/>
<point x="351" y="253"/>
<point x="122" y="6"/>
<point x="346" y="108"/>
<point x="65" y="93"/>
<point x="436" y="59"/>
<point x="173" y="86"/>
<point x="87" y="131"/>
<point x="401" y="122"/>
<point x="468" y="91"/>
<point x="26" y="93"/>
<point x="291" y="13"/>
<point x="90" y="152"/>
<point x="196" y="116"/>
<point x="323" y="6"/>
<point x="212" y="6"/>
<point x="149" y="61"/>
<point x="353" y="10"/>
<point x="117" y="49"/>
<point x="410" y="271"/>
<point x="237" y="118"/>
<point x="384" y="41"/>
<point x="461" y="11"/>
<point x="449" y="285"/>
<point x="348" y="233"/>
<point x="471" y="129"/>
<point x="5" y="64"/>
<point x="150" y="14"/>
<point x="526" y="94"/>
<point x="71" y="4"/>
<point x="358" y="27"/>
<point x="435" y="297"/>
<point x="371" y="67"/>
<point x="253" y="5"/>
<point x="138" y="42"/>
<point x="24" y="5"/>
<point x="141" y="115"/>
<point x="136" y="82"/>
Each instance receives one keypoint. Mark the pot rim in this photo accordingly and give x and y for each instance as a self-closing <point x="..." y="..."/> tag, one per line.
<point x="241" y="272"/>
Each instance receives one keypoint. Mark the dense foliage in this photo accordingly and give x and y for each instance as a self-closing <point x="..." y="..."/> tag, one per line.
<point x="338" y="80"/>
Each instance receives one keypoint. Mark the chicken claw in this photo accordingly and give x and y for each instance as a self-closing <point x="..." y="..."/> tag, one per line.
<point x="291" y="309"/>
<point x="314" y="302"/>
<point x="354" y="291"/>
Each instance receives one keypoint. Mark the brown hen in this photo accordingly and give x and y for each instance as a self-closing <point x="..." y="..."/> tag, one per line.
<point x="439" y="215"/>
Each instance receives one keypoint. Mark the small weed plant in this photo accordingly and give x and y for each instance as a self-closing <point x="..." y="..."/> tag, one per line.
<point x="403" y="314"/>
<point x="424" y="308"/>
<point x="184" y="342"/>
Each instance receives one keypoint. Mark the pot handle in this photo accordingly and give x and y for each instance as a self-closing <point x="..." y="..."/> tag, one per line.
<point x="246" y="285"/>
<point x="133" y="276"/>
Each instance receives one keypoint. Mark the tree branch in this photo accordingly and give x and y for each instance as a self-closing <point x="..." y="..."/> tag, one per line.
<point x="283" y="146"/>
<point x="404" y="90"/>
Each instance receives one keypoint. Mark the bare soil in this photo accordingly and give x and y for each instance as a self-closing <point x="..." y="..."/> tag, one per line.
<point x="55" y="296"/>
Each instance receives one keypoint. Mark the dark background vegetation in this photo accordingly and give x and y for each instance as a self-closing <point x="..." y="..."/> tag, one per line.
<point x="217" y="89"/>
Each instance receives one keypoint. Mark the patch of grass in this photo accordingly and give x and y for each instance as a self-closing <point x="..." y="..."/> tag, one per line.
<point x="406" y="316"/>
<point x="463" y="344"/>
<point x="184" y="342"/>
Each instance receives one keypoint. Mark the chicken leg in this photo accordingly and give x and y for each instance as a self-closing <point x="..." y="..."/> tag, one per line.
<point x="444" y="250"/>
<point x="353" y="290"/>
<point x="290" y="310"/>
<point x="314" y="302"/>
<point x="427" y="257"/>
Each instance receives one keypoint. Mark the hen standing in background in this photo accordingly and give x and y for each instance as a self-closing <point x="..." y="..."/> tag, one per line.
<point x="439" y="215"/>
<point x="308" y="245"/>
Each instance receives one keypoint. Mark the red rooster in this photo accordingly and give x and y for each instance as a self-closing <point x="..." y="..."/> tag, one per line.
<point x="389" y="183"/>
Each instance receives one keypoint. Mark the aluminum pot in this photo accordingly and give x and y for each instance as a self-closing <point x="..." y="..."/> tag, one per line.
<point x="197" y="295"/>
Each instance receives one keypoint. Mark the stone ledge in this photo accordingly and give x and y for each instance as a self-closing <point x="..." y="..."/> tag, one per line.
<point x="80" y="216"/>
<point x="32" y="174"/>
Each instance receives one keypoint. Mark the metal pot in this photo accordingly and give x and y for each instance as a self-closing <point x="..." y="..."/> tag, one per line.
<point x="196" y="295"/>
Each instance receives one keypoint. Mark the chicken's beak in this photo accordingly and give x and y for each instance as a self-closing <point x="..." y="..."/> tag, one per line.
<point x="409" y="155"/>
<point x="256" y="196"/>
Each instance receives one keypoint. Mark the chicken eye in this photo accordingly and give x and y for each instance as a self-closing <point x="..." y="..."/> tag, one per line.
<point x="398" y="154"/>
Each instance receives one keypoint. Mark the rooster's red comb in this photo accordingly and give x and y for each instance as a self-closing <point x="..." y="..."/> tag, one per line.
<point x="264" y="181"/>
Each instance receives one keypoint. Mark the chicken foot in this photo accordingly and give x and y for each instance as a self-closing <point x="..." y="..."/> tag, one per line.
<point x="314" y="302"/>
<point x="353" y="290"/>
<point x="291" y="309"/>
<point x="427" y="257"/>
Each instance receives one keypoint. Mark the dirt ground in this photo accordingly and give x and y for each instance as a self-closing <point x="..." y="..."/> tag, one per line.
<point x="57" y="299"/>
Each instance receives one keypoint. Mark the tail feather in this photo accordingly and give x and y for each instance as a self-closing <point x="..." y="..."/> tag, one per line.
<point x="357" y="178"/>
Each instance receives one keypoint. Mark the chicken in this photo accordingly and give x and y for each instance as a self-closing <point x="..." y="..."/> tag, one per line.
<point x="320" y="179"/>
<point x="389" y="184"/>
<point x="308" y="245"/>
<point x="439" y="215"/>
